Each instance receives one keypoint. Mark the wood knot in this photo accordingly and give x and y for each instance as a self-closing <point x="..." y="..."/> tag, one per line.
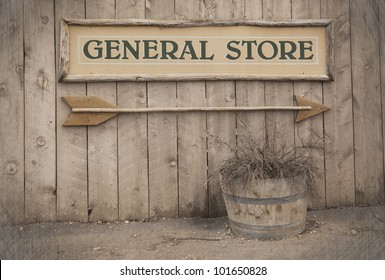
<point x="173" y="163"/>
<point x="228" y="99"/>
<point x="44" y="19"/>
<point x="42" y="80"/>
<point x="269" y="13"/>
<point x="3" y="90"/>
<point x="11" y="168"/>
<point x="40" y="141"/>
<point x="13" y="27"/>
<point x="20" y="72"/>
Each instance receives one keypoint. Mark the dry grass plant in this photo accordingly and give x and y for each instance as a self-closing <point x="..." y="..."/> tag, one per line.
<point x="274" y="158"/>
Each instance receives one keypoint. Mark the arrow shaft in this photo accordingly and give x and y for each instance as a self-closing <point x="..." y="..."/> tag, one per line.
<point x="189" y="109"/>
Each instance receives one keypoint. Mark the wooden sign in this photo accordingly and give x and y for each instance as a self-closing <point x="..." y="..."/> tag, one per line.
<point x="133" y="50"/>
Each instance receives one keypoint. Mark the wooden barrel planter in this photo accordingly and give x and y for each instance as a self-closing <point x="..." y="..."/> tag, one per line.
<point x="271" y="208"/>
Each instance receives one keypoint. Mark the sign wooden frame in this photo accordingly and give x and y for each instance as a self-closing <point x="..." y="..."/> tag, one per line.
<point x="67" y="76"/>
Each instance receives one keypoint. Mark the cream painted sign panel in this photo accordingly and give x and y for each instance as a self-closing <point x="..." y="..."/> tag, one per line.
<point x="154" y="50"/>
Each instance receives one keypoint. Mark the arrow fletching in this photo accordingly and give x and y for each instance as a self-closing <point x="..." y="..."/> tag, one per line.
<point x="80" y="119"/>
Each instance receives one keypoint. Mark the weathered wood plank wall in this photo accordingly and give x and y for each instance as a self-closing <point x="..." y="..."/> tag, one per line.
<point x="132" y="135"/>
<point x="192" y="156"/>
<point x="339" y="171"/>
<point x="39" y="100"/>
<point x="149" y="165"/>
<point x="306" y="9"/>
<point x="367" y="116"/>
<point x="102" y="140"/>
<point x="11" y="112"/>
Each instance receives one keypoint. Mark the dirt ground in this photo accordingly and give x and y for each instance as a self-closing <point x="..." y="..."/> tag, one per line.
<point x="349" y="233"/>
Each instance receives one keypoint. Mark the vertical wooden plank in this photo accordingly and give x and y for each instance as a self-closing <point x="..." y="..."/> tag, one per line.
<point x="130" y="9"/>
<point x="251" y="93"/>
<point x="277" y="9"/>
<point x="367" y="102"/>
<point x="102" y="140"/>
<point x="220" y="125"/>
<point x="310" y="9"/>
<point x="71" y="175"/>
<point x="222" y="9"/>
<point x="253" y="9"/>
<point x="339" y="171"/>
<point x="305" y="132"/>
<point x="162" y="151"/>
<point x="381" y="10"/>
<point x="40" y="141"/>
<point x="11" y="113"/>
<point x="132" y="135"/>
<point x="160" y="9"/>
<point x="279" y="93"/>
<point x="132" y="139"/>
<point x="187" y="9"/>
<point x="192" y="156"/>
<point x="162" y="133"/>
<point x="306" y="9"/>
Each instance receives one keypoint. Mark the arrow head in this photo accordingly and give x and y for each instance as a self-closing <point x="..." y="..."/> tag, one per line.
<point x="316" y="108"/>
<point x="79" y="119"/>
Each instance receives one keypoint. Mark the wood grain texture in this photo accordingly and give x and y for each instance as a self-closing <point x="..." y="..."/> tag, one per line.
<point x="311" y="9"/>
<point x="162" y="134"/>
<point x="102" y="140"/>
<point x="279" y="92"/>
<point x="189" y="77"/>
<point x="198" y="23"/>
<point x="278" y="210"/>
<point x="132" y="141"/>
<point x="253" y="10"/>
<point x="132" y="135"/>
<point x="381" y="10"/>
<point x="220" y="126"/>
<point x="366" y="74"/>
<point x="160" y="9"/>
<point x="221" y="129"/>
<point x="11" y="113"/>
<point x="162" y="152"/>
<point x="339" y="170"/>
<point x="192" y="157"/>
<point x="72" y="163"/>
<point x="39" y="183"/>
<point x="251" y="93"/>
<point x="192" y="154"/>
<point x="276" y="9"/>
<point x="130" y="9"/>
<point x="187" y="10"/>
<point x="40" y="140"/>
<point x="222" y="9"/>
<point x="306" y="9"/>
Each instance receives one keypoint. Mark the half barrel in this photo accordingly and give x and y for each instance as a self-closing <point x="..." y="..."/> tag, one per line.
<point x="271" y="208"/>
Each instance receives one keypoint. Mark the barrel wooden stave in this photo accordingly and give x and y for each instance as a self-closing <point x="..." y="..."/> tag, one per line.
<point x="271" y="208"/>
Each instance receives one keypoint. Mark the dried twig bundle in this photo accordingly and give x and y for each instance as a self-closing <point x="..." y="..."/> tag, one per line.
<point x="273" y="158"/>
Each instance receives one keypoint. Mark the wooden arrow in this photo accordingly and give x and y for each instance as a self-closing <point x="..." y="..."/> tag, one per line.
<point x="91" y="110"/>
